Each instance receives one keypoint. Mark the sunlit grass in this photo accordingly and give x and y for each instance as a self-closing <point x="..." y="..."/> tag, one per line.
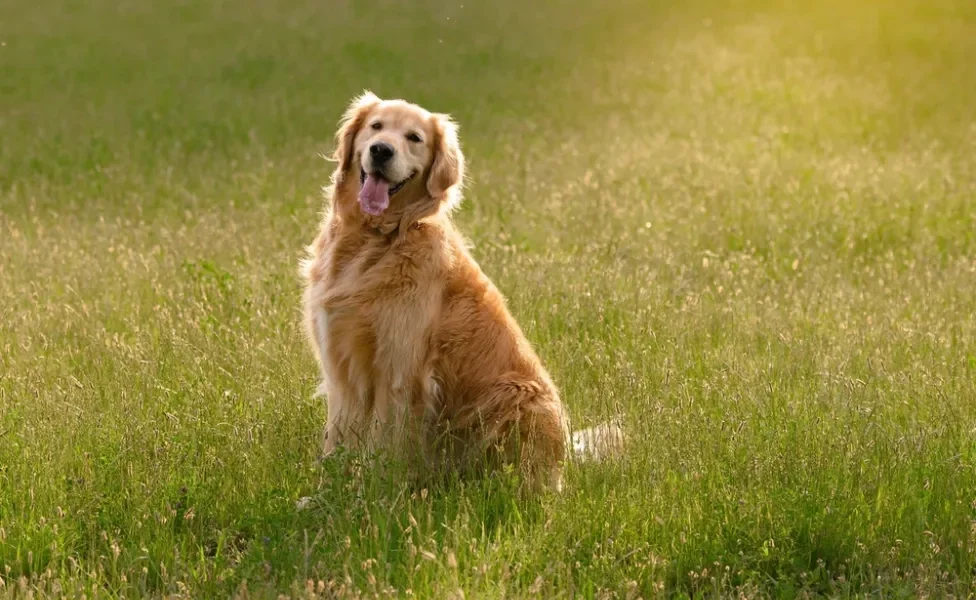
<point x="752" y="231"/>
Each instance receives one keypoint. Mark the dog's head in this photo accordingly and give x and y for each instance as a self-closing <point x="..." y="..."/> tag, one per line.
<point x="405" y="160"/>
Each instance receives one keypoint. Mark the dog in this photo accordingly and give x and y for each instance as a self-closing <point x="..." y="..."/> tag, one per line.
<point x="416" y="345"/>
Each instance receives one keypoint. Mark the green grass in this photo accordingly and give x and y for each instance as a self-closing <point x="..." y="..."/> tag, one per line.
<point x="751" y="228"/>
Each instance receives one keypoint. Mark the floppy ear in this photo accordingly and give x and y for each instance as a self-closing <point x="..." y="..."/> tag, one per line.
<point x="447" y="170"/>
<point x="352" y="121"/>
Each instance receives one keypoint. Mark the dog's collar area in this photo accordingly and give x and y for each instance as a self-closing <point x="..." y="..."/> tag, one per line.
<point x="384" y="229"/>
<point x="394" y="231"/>
<point x="396" y="188"/>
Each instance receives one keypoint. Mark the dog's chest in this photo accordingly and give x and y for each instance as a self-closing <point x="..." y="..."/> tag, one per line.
<point x="376" y="316"/>
<point x="341" y="314"/>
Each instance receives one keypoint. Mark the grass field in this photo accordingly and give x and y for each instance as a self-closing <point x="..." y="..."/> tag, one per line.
<point x="751" y="228"/>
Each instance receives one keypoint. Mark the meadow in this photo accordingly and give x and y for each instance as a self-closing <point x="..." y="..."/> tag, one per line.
<point x="750" y="227"/>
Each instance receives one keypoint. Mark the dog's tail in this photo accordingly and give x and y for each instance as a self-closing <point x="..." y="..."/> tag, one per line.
<point x="600" y="442"/>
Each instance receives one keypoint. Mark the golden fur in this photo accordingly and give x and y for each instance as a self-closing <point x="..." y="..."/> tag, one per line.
<point x="415" y="343"/>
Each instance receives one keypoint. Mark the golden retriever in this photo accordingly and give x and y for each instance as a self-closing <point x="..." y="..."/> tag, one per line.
<point x="415" y="343"/>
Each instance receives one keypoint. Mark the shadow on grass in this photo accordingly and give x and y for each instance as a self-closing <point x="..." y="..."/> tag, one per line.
<point x="380" y="509"/>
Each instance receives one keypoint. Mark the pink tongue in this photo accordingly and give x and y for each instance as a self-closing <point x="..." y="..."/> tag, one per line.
<point x="374" y="198"/>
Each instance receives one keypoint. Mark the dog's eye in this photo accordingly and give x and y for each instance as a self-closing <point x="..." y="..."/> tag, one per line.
<point x="413" y="137"/>
<point x="377" y="126"/>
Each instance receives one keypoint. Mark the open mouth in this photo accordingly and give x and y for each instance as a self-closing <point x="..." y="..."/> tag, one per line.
<point x="375" y="192"/>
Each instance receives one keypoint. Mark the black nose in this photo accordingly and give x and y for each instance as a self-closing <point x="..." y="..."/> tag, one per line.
<point x="381" y="152"/>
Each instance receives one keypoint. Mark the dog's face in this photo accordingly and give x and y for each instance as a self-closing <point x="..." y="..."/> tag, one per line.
<point x="390" y="146"/>
<point x="395" y="143"/>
